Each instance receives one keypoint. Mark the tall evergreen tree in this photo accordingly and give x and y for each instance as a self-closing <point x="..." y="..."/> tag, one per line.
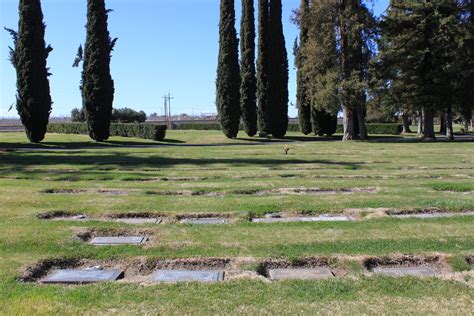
<point x="248" y="88"/>
<point x="97" y="84"/>
<point x="418" y="48"/>
<point x="302" y="98"/>
<point x="29" y="57"/>
<point x="263" y="84"/>
<point x="278" y="72"/>
<point x="228" y="72"/>
<point x="355" y="23"/>
<point x="321" y="67"/>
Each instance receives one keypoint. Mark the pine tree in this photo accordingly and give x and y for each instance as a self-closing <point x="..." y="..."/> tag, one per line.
<point x="228" y="72"/>
<point x="355" y="24"/>
<point x="263" y="84"/>
<point x="419" y="48"/>
<point x="302" y="98"/>
<point x="97" y="84"/>
<point x="321" y="68"/>
<point x="29" y="57"/>
<point x="278" y="72"/>
<point x="248" y="88"/>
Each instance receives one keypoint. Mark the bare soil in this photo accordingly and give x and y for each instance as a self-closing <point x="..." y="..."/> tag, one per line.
<point x="435" y="261"/>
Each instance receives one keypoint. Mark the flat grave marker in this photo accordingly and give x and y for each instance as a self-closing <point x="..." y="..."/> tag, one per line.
<point x="139" y="220"/>
<point x="170" y="276"/>
<point x="204" y="221"/>
<point x="321" y="218"/>
<point x="120" y="240"/>
<point x="431" y="215"/>
<point x="300" y="274"/>
<point x="405" y="271"/>
<point x="82" y="276"/>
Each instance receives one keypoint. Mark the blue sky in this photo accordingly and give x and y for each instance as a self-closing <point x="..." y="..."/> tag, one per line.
<point x="164" y="45"/>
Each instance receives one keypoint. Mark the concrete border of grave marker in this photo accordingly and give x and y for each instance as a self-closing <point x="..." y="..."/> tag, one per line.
<point x="317" y="273"/>
<point x="173" y="276"/>
<point x="405" y="271"/>
<point x="204" y="221"/>
<point x="82" y="276"/>
<point x="428" y="215"/>
<point x="139" y="220"/>
<point x="118" y="240"/>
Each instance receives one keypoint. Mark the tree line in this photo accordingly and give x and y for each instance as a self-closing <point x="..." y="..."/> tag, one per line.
<point x="240" y="86"/>
<point x="416" y="60"/>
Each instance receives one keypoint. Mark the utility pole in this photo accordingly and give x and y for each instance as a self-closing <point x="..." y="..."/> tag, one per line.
<point x="168" y="99"/>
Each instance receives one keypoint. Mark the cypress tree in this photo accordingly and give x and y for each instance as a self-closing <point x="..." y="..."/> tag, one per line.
<point x="302" y="99"/>
<point x="29" y="57"/>
<point x="263" y="84"/>
<point x="228" y="72"/>
<point x="278" y="70"/>
<point x="97" y="84"/>
<point x="248" y="88"/>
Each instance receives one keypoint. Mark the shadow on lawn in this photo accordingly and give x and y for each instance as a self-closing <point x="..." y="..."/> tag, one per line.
<point x="19" y="160"/>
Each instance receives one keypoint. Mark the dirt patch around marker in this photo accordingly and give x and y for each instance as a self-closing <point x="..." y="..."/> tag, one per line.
<point x="417" y="211"/>
<point x="7" y="150"/>
<point x="64" y="191"/>
<point x="186" y="193"/>
<point x="436" y="262"/>
<point x="60" y="215"/>
<point x="82" y="191"/>
<point x="367" y="213"/>
<point x="41" y="269"/>
<point x="316" y="191"/>
<point x="470" y="259"/>
<point x="86" y="235"/>
<point x="151" y="265"/>
<point x="135" y="215"/>
<point x="304" y="263"/>
<point x="201" y="216"/>
<point x="166" y="179"/>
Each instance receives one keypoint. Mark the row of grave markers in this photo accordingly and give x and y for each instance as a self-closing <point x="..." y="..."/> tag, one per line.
<point x="94" y="275"/>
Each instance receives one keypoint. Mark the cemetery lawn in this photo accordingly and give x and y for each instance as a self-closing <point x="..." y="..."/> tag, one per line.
<point x="202" y="172"/>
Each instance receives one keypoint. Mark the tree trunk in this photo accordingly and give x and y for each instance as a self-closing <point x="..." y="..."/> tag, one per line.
<point x="429" y="133"/>
<point x="449" y="124"/>
<point x="406" y="124"/>
<point x="442" y="119"/>
<point x="362" y="127"/>
<point x="348" y="125"/>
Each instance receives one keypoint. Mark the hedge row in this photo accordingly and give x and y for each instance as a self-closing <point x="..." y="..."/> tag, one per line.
<point x="372" y="128"/>
<point x="145" y="131"/>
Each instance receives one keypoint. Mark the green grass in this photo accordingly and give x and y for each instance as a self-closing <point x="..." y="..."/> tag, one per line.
<point x="406" y="175"/>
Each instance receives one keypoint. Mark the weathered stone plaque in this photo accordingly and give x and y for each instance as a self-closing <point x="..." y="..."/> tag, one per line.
<point x="121" y="240"/>
<point x="204" y="221"/>
<point x="300" y="274"/>
<point x="321" y="218"/>
<point x="169" y="276"/>
<point x="334" y="218"/>
<point x="432" y="215"/>
<point x="284" y="219"/>
<point x="406" y="271"/>
<point x="139" y="221"/>
<point x="82" y="276"/>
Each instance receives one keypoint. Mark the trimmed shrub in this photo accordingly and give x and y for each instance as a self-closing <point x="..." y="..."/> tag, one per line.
<point x="145" y="131"/>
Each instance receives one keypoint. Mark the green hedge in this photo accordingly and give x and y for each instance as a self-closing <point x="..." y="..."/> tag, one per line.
<point x="145" y="131"/>
<point x="379" y="129"/>
<point x="372" y="128"/>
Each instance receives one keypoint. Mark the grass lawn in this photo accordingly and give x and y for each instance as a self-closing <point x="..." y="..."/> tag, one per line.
<point x="203" y="172"/>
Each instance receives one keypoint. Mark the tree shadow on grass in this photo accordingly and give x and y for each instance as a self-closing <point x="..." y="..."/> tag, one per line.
<point x="20" y="161"/>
